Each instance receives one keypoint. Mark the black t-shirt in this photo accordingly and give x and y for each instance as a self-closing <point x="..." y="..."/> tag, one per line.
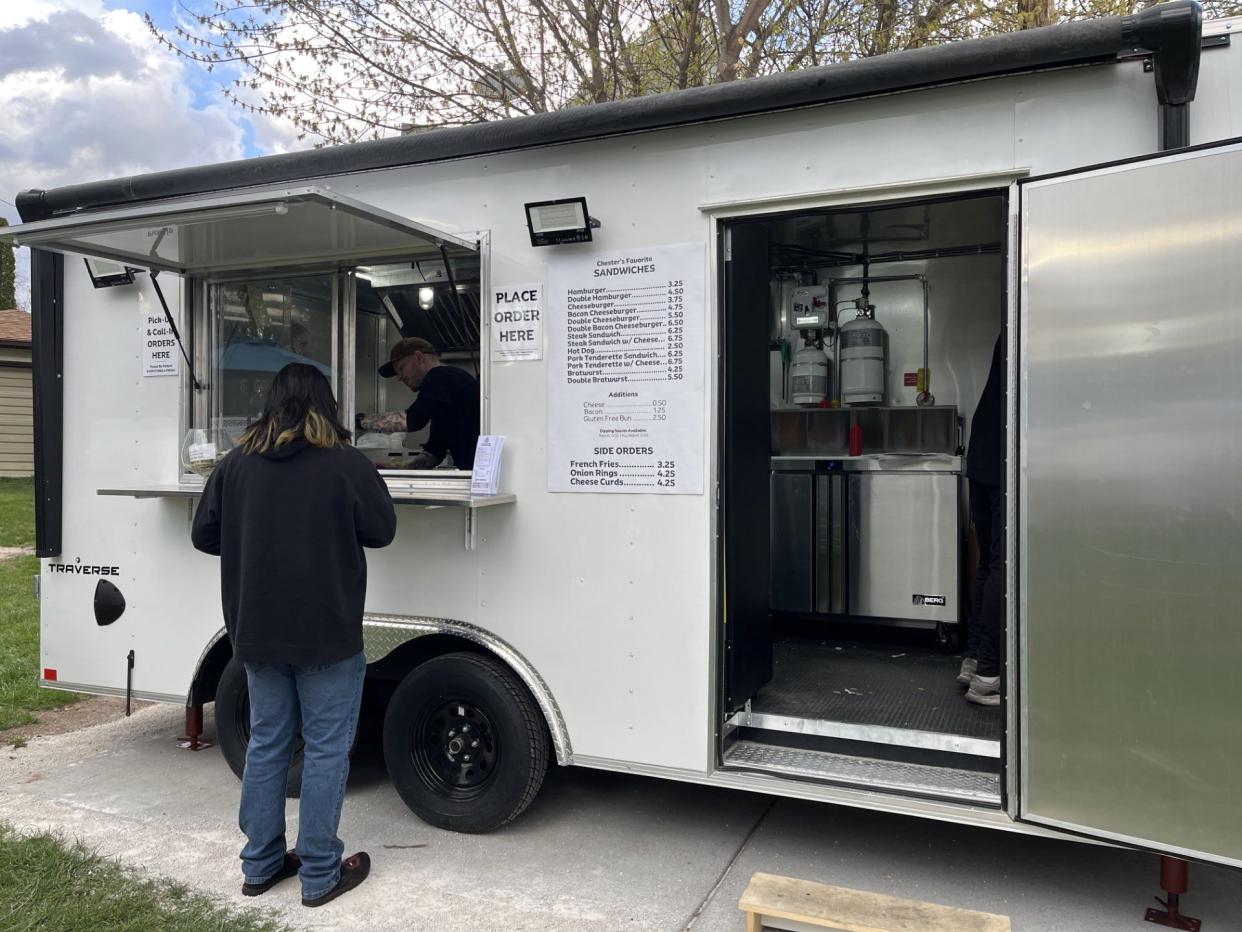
<point x="985" y="460"/>
<point x="448" y="399"/>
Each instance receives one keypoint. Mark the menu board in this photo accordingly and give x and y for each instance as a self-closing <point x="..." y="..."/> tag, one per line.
<point x="625" y="391"/>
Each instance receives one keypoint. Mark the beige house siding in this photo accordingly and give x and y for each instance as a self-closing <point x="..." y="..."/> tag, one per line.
<point x="16" y="413"/>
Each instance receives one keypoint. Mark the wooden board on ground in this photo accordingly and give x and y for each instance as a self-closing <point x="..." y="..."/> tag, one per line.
<point x="785" y="903"/>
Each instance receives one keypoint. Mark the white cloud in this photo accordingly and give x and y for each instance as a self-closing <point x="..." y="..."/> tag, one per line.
<point x="276" y="134"/>
<point x="96" y="97"/>
<point x="88" y="94"/>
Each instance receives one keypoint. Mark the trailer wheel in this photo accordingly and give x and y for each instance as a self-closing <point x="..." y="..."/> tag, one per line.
<point x="233" y="727"/>
<point x="465" y="743"/>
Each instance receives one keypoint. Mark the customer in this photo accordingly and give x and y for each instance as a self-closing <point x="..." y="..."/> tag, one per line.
<point x="288" y="513"/>
<point x="985" y="468"/>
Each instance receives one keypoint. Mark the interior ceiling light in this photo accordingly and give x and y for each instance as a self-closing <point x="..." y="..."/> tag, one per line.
<point x="392" y="312"/>
<point x="426" y="298"/>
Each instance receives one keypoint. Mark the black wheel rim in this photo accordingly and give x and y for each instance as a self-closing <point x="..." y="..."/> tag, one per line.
<point x="455" y="749"/>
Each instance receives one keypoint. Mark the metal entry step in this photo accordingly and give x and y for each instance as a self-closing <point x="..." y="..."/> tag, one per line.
<point x="875" y="734"/>
<point x="945" y="782"/>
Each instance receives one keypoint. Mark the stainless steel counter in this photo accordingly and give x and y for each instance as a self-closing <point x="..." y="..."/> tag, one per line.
<point x="825" y="432"/>
<point x="875" y="536"/>
<point x="410" y="488"/>
<point x="872" y="462"/>
<point x="422" y="488"/>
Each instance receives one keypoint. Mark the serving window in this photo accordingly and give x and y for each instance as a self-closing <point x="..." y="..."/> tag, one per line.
<point x="259" y="325"/>
<point x="411" y="299"/>
<point x="300" y="274"/>
<point x="344" y="322"/>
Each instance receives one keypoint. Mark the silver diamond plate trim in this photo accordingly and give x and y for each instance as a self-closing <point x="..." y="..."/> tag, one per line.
<point x="380" y="640"/>
<point x="384" y="633"/>
<point x="867" y="772"/>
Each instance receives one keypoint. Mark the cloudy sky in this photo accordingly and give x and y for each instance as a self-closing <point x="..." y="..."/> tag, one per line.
<point x="86" y="93"/>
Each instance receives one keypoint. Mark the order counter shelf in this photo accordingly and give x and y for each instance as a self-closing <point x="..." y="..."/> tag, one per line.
<point x="407" y="489"/>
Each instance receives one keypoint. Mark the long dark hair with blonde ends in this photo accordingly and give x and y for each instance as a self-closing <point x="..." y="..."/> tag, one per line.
<point x="299" y="406"/>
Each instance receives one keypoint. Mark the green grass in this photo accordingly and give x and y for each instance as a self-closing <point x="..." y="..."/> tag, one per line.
<point x="17" y="513"/>
<point x="46" y="883"/>
<point x="20" y="694"/>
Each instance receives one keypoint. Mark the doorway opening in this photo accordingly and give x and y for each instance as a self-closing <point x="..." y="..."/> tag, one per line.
<point x="857" y="345"/>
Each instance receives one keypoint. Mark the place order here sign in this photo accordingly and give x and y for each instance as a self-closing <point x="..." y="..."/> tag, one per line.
<point x="626" y="371"/>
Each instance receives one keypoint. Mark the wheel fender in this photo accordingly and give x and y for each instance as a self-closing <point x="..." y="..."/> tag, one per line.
<point x="384" y="633"/>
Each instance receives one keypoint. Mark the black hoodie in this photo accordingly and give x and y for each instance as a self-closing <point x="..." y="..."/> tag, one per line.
<point x="289" y="527"/>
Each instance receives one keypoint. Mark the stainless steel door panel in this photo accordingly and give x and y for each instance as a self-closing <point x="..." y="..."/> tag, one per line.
<point x="793" y="553"/>
<point x="903" y="547"/>
<point x="1130" y="639"/>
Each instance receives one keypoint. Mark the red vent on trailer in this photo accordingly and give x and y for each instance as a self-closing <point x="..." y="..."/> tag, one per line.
<point x="49" y="674"/>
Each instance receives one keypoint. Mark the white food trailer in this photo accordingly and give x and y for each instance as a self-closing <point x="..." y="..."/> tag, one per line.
<point x="720" y="506"/>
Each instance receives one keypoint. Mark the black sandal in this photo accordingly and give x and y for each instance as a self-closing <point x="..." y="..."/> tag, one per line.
<point x="288" y="869"/>
<point x="354" y="870"/>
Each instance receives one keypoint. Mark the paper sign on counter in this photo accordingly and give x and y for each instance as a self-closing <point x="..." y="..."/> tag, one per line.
<point x="485" y="476"/>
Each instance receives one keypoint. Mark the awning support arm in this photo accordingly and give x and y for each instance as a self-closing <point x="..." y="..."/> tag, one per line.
<point x="159" y="292"/>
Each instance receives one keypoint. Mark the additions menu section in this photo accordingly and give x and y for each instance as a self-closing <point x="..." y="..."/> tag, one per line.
<point x="626" y="376"/>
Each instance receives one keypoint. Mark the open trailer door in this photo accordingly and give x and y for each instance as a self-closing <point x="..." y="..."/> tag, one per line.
<point x="746" y="449"/>
<point x="1130" y="458"/>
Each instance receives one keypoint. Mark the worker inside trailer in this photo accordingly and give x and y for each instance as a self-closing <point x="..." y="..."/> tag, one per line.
<point x="448" y="401"/>
<point x="985" y="470"/>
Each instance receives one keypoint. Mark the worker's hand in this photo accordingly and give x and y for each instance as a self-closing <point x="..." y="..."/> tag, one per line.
<point x="424" y="460"/>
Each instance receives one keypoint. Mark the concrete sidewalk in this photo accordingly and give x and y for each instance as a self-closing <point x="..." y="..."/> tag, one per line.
<point x="597" y="851"/>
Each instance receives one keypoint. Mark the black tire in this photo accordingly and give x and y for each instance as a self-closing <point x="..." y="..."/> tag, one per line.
<point x="233" y="727"/>
<point x="465" y="743"/>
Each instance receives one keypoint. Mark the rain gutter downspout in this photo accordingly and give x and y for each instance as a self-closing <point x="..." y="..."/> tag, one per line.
<point x="1173" y="33"/>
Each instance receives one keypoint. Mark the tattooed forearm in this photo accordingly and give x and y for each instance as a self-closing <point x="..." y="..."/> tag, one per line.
<point x="424" y="460"/>
<point x="391" y="423"/>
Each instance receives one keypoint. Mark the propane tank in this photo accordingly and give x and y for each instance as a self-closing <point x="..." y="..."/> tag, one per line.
<point x="809" y="376"/>
<point x="862" y="357"/>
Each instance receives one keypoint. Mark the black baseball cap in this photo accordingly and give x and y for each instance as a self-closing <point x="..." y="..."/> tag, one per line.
<point x="403" y="348"/>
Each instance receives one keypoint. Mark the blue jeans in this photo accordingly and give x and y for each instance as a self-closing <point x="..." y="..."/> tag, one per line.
<point x="986" y="511"/>
<point x="324" y="700"/>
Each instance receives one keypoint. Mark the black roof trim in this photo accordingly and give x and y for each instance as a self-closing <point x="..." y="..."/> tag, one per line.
<point x="1084" y="42"/>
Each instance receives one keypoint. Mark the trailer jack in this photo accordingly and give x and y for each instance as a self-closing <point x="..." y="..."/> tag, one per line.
<point x="1174" y="874"/>
<point x="193" y="740"/>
